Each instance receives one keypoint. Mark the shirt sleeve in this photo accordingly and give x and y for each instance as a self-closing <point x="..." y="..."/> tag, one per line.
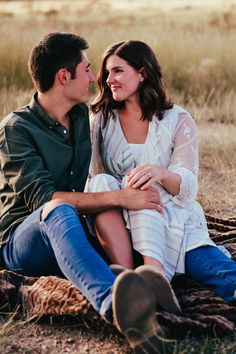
<point x="184" y="160"/>
<point x="96" y="165"/>
<point x="23" y="168"/>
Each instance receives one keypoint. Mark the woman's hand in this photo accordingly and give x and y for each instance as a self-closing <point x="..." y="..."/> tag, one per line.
<point x="145" y="176"/>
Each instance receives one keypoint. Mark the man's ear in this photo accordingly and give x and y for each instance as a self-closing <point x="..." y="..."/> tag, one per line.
<point x="63" y="76"/>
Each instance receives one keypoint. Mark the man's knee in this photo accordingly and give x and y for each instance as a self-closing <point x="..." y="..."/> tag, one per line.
<point x="50" y="206"/>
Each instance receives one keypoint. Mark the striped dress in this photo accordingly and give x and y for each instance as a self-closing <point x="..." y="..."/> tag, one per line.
<point x="171" y="143"/>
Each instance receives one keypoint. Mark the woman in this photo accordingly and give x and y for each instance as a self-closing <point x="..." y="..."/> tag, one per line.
<point x="141" y="139"/>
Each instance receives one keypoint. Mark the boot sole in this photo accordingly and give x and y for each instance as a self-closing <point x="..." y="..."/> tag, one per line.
<point x="134" y="313"/>
<point x="161" y="288"/>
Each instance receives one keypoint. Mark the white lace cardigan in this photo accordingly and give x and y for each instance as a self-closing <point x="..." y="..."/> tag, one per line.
<point x="171" y="143"/>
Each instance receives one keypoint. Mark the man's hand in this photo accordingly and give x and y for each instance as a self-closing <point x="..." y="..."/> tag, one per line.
<point x="136" y="199"/>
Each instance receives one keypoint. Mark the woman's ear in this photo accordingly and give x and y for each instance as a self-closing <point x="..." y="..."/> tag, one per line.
<point x="142" y="74"/>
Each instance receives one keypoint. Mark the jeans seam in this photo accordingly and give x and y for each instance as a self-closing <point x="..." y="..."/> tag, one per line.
<point x="59" y="250"/>
<point x="70" y="266"/>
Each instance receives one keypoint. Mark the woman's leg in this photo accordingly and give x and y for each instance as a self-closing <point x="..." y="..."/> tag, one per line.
<point x="114" y="237"/>
<point x="110" y="225"/>
<point x="211" y="267"/>
<point x="153" y="262"/>
<point x="148" y="237"/>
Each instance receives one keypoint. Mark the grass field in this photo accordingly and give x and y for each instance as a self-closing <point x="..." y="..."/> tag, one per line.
<point x="195" y="44"/>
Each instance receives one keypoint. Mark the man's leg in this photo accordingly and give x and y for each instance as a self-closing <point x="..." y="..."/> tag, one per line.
<point x="55" y="243"/>
<point x="211" y="267"/>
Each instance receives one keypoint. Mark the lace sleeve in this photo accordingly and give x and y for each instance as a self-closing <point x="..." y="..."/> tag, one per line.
<point x="184" y="160"/>
<point x="96" y="166"/>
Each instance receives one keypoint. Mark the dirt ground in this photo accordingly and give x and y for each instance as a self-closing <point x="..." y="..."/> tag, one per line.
<point x="61" y="335"/>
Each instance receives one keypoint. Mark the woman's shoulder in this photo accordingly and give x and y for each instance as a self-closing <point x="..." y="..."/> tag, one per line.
<point x="176" y="114"/>
<point x="176" y="110"/>
<point x="100" y="115"/>
<point x="98" y="120"/>
<point x="173" y="117"/>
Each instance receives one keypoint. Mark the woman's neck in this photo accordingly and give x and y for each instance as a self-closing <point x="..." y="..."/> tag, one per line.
<point x="132" y="109"/>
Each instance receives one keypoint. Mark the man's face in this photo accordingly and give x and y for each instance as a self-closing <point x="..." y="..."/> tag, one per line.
<point x="78" y="88"/>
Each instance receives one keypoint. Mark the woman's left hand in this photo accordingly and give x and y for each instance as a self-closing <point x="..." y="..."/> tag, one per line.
<point x="145" y="176"/>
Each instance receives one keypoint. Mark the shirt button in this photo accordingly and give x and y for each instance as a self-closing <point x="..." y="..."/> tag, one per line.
<point x="71" y="172"/>
<point x="73" y="190"/>
<point x="64" y="131"/>
<point x="50" y="127"/>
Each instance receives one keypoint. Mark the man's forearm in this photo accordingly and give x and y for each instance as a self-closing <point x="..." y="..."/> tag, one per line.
<point x="88" y="203"/>
<point x="129" y="198"/>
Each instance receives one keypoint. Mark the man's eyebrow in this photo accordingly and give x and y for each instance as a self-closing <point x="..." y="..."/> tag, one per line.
<point x="88" y="65"/>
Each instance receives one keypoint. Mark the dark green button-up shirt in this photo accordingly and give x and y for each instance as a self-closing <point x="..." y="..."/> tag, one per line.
<point x="37" y="160"/>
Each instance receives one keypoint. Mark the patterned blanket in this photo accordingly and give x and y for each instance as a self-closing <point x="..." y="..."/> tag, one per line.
<point x="204" y="312"/>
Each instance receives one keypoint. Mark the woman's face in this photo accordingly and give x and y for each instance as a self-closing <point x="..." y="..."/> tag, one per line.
<point x="123" y="80"/>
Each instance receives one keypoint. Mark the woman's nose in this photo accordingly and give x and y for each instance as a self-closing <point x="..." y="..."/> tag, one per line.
<point x="109" y="78"/>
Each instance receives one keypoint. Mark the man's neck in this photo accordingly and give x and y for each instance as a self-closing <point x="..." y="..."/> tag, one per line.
<point x="54" y="105"/>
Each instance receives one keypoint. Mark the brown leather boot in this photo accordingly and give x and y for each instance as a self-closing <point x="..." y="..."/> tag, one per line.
<point x="133" y="304"/>
<point x="117" y="269"/>
<point x="161" y="287"/>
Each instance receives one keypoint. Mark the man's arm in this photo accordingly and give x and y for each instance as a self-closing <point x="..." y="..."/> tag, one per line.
<point x="22" y="168"/>
<point x="24" y="171"/>
<point x="128" y="198"/>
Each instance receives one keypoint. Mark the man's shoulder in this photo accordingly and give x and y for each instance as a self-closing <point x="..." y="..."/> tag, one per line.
<point x="15" y="117"/>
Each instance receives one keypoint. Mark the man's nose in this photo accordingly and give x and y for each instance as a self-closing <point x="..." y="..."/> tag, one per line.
<point x="92" y="77"/>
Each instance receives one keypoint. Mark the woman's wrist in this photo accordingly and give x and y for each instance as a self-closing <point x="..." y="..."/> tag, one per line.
<point x="163" y="176"/>
<point x="170" y="181"/>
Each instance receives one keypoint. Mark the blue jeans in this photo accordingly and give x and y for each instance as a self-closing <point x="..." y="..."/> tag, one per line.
<point x="58" y="245"/>
<point x="210" y="266"/>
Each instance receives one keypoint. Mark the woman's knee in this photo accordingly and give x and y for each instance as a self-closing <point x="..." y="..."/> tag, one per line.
<point x="103" y="182"/>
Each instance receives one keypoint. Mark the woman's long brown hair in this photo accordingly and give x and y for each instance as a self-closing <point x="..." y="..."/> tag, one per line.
<point x="153" y="97"/>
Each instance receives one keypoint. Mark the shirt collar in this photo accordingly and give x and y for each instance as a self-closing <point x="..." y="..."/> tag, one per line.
<point x="39" y="111"/>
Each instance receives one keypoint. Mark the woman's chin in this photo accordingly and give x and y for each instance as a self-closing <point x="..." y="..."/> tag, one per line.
<point x="118" y="98"/>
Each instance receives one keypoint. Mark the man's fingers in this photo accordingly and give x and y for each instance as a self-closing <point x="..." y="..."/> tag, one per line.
<point x="157" y="207"/>
<point x="154" y="198"/>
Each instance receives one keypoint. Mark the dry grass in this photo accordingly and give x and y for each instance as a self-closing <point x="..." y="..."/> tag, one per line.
<point x="217" y="191"/>
<point x="194" y="43"/>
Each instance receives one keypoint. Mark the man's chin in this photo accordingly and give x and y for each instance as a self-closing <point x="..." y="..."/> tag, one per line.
<point x="84" y="99"/>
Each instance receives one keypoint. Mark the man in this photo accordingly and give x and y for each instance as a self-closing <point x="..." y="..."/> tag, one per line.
<point x="45" y="154"/>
